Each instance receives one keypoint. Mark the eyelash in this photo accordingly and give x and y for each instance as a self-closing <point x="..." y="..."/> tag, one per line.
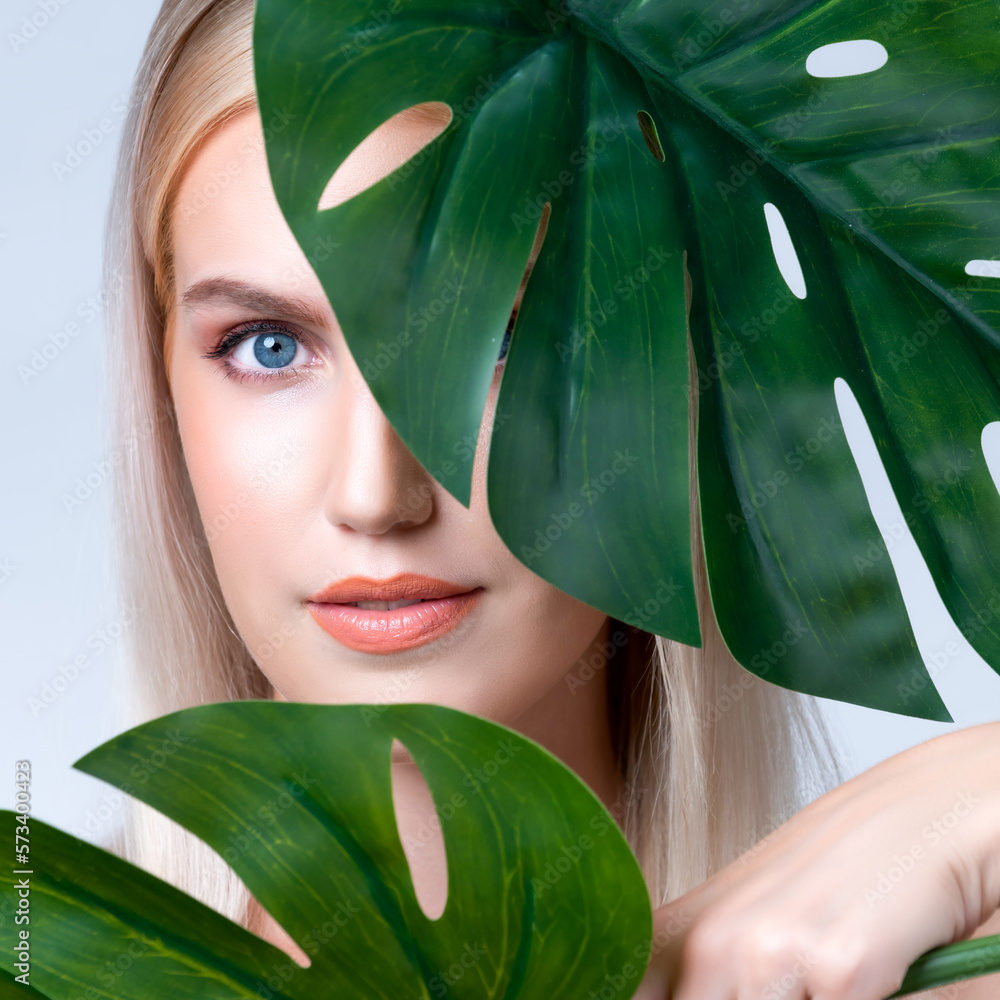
<point x="224" y="349"/>
<point x="222" y="352"/>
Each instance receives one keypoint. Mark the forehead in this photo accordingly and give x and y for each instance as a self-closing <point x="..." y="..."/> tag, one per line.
<point x="225" y="203"/>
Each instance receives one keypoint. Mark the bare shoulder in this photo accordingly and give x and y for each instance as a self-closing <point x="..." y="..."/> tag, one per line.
<point x="980" y="988"/>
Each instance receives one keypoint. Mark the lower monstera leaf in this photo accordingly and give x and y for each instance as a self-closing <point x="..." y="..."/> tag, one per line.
<point x="545" y="898"/>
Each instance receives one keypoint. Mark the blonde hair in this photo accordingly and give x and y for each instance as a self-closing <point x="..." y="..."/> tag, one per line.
<point x="713" y="757"/>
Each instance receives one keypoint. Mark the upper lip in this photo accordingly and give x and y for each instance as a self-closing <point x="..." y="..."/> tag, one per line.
<point x="402" y="587"/>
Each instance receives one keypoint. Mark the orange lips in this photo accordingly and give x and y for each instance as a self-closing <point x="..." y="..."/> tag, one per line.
<point x="442" y="606"/>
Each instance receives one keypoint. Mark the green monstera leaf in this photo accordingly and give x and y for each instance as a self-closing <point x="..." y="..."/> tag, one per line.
<point x="545" y="898"/>
<point x="653" y="136"/>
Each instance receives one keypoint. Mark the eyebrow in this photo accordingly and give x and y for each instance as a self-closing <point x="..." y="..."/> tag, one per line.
<point x="212" y="291"/>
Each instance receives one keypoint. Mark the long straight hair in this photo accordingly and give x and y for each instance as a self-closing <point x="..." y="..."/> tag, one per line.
<point x="713" y="758"/>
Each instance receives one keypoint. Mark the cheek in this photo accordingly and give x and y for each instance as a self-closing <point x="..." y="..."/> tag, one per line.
<point x="245" y="460"/>
<point x="557" y="627"/>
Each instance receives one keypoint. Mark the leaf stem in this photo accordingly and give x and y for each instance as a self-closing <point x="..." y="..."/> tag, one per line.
<point x="962" y="960"/>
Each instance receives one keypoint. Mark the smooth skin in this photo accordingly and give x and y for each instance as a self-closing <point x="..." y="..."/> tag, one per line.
<point x="301" y="480"/>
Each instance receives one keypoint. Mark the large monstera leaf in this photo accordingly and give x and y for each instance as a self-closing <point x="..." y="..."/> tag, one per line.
<point x="653" y="135"/>
<point x="545" y="898"/>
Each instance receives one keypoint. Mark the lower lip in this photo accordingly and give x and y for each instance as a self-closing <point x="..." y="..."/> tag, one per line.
<point x="392" y="631"/>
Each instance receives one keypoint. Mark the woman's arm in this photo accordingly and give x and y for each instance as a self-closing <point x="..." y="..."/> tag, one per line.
<point x="837" y="902"/>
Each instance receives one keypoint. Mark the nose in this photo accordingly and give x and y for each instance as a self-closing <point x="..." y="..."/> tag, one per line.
<point x="376" y="484"/>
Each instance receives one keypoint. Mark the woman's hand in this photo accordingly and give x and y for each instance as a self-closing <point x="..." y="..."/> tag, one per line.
<point x="838" y="902"/>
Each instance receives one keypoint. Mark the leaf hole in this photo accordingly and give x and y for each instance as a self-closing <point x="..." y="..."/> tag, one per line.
<point x="990" y="443"/>
<point x="395" y="142"/>
<point x="983" y="268"/>
<point x="419" y="826"/>
<point x="925" y="609"/>
<point x="649" y="133"/>
<point x="784" y="251"/>
<point x="851" y="58"/>
<point x="263" y="925"/>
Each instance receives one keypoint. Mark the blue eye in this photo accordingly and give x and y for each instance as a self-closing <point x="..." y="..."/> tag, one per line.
<point x="273" y="350"/>
<point x="256" y="345"/>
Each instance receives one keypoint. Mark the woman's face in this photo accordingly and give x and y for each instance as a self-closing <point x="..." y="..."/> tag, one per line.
<point x="301" y="481"/>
